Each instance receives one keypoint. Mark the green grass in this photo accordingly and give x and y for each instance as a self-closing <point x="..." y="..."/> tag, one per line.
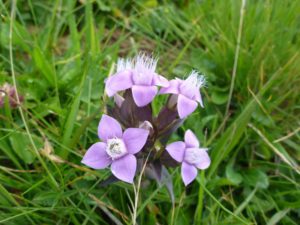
<point x="62" y="51"/>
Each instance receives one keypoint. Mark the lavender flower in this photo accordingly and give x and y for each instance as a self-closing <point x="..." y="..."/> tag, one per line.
<point x="190" y="155"/>
<point x="139" y="75"/>
<point x="146" y="134"/>
<point x="186" y="93"/>
<point x="117" y="149"/>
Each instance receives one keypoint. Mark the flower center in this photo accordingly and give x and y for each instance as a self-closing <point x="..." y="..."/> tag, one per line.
<point x="192" y="155"/>
<point x="115" y="148"/>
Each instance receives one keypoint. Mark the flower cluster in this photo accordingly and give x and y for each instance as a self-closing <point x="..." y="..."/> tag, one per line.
<point x="134" y="86"/>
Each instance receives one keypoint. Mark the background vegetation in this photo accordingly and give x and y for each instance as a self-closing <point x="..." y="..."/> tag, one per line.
<point x="63" y="50"/>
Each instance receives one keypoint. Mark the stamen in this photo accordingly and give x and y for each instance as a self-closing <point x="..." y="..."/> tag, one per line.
<point x="192" y="155"/>
<point x="115" y="148"/>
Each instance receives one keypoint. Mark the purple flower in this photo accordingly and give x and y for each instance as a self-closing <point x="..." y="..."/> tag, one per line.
<point x="190" y="155"/>
<point x="187" y="93"/>
<point x="117" y="149"/>
<point x="139" y="75"/>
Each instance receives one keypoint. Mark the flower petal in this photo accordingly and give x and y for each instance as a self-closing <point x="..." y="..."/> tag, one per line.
<point x="176" y="150"/>
<point x="124" y="168"/>
<point x="96" y="156"/>
<point x="144" y="69"/>
<point x="135" y="139"/>
<point x="190" y="139"/>
<point x="109" y="128"/>
<point x="173" y="87"/>
<point x="142" y="76"/>
<point x="188" y="173"/>
<point x="204" y="160"/>
<point x="198" y="98"/>
<point x="118" y="82"/>
<point x="143" y="95"/>
<point x="188" y="89"/>
<point x="160" y="81"/>
<point x="185" y="106"/>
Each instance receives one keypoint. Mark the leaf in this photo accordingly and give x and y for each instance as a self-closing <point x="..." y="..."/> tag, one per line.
<point x="69" y="123"/>
<point x="84" y="124"/>
<point x="6" y="197"/>
<point x="219" y="98"/>
<point x="43" y="65"/>
<point x="22" y="38"/>
<point x="166" y="179"/>
<point x="232" y="175"/>
<point x="49" y="198"/>
<point x="103" y="6"/>
<point x="263" y="119"/>
<point x="256" y="178"/>
<point x="21" y="146"/>
<point x="159" y="173"/>
<point x="277" y="217"/>
<point x="7" y="150"/>
<point x="153" y="170"/>
<point x="219" y="182"/>
<point x="230" y="137"/>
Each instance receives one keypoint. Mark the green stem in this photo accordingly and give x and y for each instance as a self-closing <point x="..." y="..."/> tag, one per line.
<point x="198" y="213"/>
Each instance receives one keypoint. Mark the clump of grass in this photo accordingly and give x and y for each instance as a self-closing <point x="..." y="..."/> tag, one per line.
<point x="62" y="51"/>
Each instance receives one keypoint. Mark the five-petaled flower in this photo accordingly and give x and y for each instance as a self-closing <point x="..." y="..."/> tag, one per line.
<point x="134" y="86"/>
<point x="190" y="155"/>
<point x="187" y="93"/>
<point x="139" y="75"/>
<point x="117" y="149"/>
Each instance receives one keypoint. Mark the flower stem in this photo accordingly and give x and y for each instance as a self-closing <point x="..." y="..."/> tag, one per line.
<point x="136" y="190"/>
<point x="198" y="213"/>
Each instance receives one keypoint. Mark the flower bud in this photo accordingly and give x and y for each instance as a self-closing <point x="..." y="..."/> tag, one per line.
<point x="147" y="126"/>
<point x="172" y="101"/>
<point x="7" y="90"/>
<point x="118" y="100"/>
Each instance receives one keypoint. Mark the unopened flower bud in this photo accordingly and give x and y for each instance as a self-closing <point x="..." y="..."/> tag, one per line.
<point x="172" y="101"/>
<point x="118" y="100"/>
<point x="147" y="126"/>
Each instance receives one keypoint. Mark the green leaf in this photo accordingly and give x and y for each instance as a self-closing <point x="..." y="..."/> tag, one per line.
<point x="219" y="98"/>
<point x="231" y="137"/>
<point x="49" y="198"/>
<point x="44" y="66"/>
<point x="233" y="176"/>
<point x="277" y="217"/>
<point x="256" y="178"/>
<point x="21" y="146"/>
<point x="70" y="121"/>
